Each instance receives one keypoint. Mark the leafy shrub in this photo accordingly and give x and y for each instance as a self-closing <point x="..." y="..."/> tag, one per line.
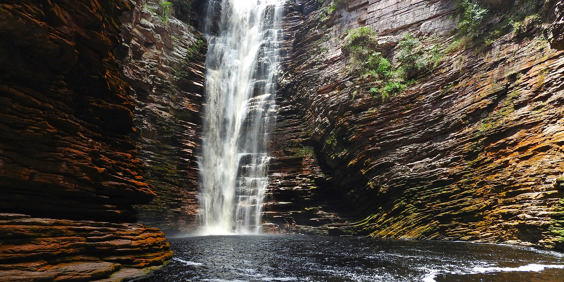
<point x="360" y="44"/>
<point x="360" y="39"/>
<point x="383" y="67"/>
<point x="472" y="16"/>
<point x="393" y="87"/>
<point x="415" y="59"/>
<point x="411" y="56"/>
<point x="379" y="66"/>
<point x="164" y="8"/>
<point x="390" y="88"/>
<point x="385" y="78"/>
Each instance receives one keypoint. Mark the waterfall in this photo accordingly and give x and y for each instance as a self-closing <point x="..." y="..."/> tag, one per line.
<point x="240" y="87"/>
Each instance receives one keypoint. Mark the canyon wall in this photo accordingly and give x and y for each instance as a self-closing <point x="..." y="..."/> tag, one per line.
<point x="101" y="114"/>
<point x="162" y="59"/>
<point x="471" y="149"/>
<point x="69" y="170"/>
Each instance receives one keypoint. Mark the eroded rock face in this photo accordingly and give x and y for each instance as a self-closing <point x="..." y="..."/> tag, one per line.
<point x="301" y="198"/>
<point x="68" y="165"/>
<point x="66" y="115"/>
<point x="163" y="61"/>
<point x="557" y="27"/>
<point x="43" y="249"/>
<point x="471" y="151"/>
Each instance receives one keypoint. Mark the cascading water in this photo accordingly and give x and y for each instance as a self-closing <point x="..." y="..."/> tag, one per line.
<point x="241" y="63"/>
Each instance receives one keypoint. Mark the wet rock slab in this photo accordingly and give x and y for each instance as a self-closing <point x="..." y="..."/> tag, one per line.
<point x="41" y="249"/>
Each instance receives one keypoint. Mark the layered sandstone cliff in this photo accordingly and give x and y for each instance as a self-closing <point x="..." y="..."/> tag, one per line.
<point x="162" y="59"/>
<point x="471" y="150"/>
<point x="68" y="165"/>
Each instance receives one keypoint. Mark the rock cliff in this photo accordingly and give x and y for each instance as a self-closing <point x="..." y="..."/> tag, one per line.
<point x="66" y="114"/>
<point x="44" y="249"/>
<point x="68" y="165"/>
<point x="162" y="59"/>
<point x="468" y="148"/>
<point x="465" y="142"/>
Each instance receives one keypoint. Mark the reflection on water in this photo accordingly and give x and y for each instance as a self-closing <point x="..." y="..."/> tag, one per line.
<point x="317" y="258"/>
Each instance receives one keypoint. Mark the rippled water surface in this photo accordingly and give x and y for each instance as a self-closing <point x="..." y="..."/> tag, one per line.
<point x="317" y="258"/>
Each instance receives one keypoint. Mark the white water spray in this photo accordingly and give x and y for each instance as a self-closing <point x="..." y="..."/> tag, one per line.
<point x="241" y="63"/>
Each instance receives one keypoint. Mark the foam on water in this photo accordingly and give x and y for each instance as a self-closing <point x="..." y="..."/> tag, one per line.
<point x="524" y="268"/>
<point x="318" y="258"/>
<point x="533" y="267"/>
<point x="191" y="263"/>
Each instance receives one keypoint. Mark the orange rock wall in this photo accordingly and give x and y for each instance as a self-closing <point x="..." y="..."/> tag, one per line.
<point x="471" y="151"/>
<point x="42" y="249"/>
<point x="68" y="165"/>
<point x="66" y="116"/>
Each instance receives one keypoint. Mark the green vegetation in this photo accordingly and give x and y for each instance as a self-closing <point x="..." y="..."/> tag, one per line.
<point x="484" y="21"/>
<point x="358" y="38"/>
<point x="481" y="22"/>
<point x="182" y="10"/>
<point x="164" y="9"/>
<point x="305" y="152"/>
<point x="557" y="229"/>
<point x="414" y="60"/>
<point x="328" y="10"/>
<point x="196" y="48"/>
<point x="521" y="26"/>
<point x="472" y="16"/>
<point x="192" y="52"/>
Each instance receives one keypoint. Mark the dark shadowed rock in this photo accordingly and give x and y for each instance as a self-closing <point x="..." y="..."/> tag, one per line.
<point x="68" y="165"/>
<point x="163" y="61"/>
<point x="65" y="150"/>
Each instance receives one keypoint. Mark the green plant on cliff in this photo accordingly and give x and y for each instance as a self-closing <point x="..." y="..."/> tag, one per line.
<point x="412" y="56"/>
<point x="305" y="152"/>
<point x="378" y="66"/>
<point x="328" y="10"/>
<point x="359" y="39"/>
<point x="482" y="22"/>
<point x="471" y="17"/>
<point x="386" y="79"/>
<point x="164" y="10"/>
<point x="192" y="52"/>
<point x="360" y="44"/>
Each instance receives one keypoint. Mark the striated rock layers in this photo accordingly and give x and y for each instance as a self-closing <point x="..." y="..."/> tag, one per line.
<point x="41" y="249"/>
<point x="471" y="150"/>
<point x="556" y="32"/>
<point x="163" y="61"/>
<point x="65" y="147"/>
